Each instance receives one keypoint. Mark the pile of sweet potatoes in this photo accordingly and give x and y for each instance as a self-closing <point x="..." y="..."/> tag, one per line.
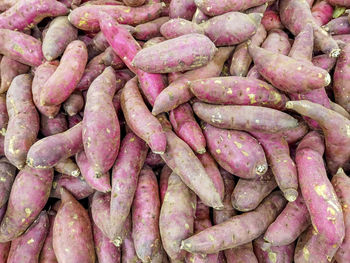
<point x="176" y="131"/>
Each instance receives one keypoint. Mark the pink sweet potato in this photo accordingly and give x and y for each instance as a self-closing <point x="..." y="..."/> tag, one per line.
<point x="110" y="58"/>
<point x="253" y="224"/>
<point x="74" y="104"/>
<point x="26" y="14"/>
<point x="72" y="232"/>
<point x="99" y="205"/>
<point x="9" y="69"/>
<point x="303" y="44"/>
<point x="150" y="29"/>
<point x="322" y="12"/>
<point x="154" y="160"/>
<point x="271" y="20"/>
<point x="47" y="255"/>
<point x="7" y="176"/>
<point x="59" y="34"/>
<point x="67" y="75"/>
<point x="345" y="3"/>
<point x="341" y="79"/>
<point x="199" y="17"/>
<point x="27" y="247"/>
<point x="23" y="125"/>
<point x="4" y="251"/>
<point x="134" y="2"/>
<point x="178" y="27"/>
<point x="277" y="41"/>
<point x="182" y="9"/>
<point x="176" y="217"/>
<point x="153" y="41"/>
<point x="163" y="182"/>
<point x="236" y="151"/>
<point x="338" y="26"/>
<point x="29" y="194"/>
<point x="54" y="125"/>
<point x="67" y="167"/>
<point x="124" y="181"/>
<point x="145" y="218"/>
<point x="128" y="248"/>
<point x="6" y="4"/>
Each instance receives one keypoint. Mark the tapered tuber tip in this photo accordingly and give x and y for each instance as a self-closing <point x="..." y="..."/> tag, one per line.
<point x="340" y="170"/>
<point x="76" y="173"/>
<point x="328" y="79"/>
<point x="289" y="105"/>
<point x="335" y="53"/>
<point x="185" y="245"/>
<point x="290" y="194"/>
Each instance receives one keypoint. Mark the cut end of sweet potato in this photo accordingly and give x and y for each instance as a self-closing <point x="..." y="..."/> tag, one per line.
<point x="290" y="194"/>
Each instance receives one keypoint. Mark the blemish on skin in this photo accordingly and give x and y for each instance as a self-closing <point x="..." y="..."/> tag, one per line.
<point x="18" y="49"/>
<point x="299" y="68"/>
<point x="306" y="253"/>
<point x="66" y="249"/>
<point x="132" y="139"/>
<point x="309" y="158"/>
<point x="229" y="91"/>
<point x="272" y="256"/>
<point x="30" y="241"/>
<point x="331" y="211"/>
<point x="252" y="98"/>
<point x="211" y="237"/>
<point x="2" y="179"/>
<point x="245" y="153"/>
<point x="28" y="211"/>
<point x="218" y="151"/>
<point x="319" y="75"/>
<point x="75" y="216"/>
<point x="108" y="130"/>
<point x="239" y="145"/>
<point x="187" y="226"/>
<point x="218" y="81"/>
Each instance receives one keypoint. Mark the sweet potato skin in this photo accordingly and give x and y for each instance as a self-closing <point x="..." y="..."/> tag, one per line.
<point x="240" y="254"/>
<point x="100" y="207"/>
<point x="163" y="182"/>
<point x="7" y="176"/>
<point x="150" y="29"/>
<point x="271" y="20"/>
<point x="47" y="255"/>
<point x="178" y="26"/>
<point x="9" y="69"/>
<point x="338" y="26"/>
<point x="67" y="167"/>
<point x="341" y="78"/>
<point x="134" y="2"/>
<point x="74" y="104"/>
<point x="322" y="12"/>
<point x="182" y="9"/>
<point x="128" y="248"/>
<point x="51" y="126"/>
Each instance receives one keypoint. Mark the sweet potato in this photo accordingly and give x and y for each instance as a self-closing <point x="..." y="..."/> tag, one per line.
<point x="9" y="69"/>
<point x="51" y="126"/>
<point x="74" y="104"/>
<point x="29" y="194"/>
<point x="222" y="234"/>
<point x="72" y="232"/>
<point x="345" y="3"/>
<point x="303" y="44"/>
<point x="322" y="12"/>
<point x="47" y="255"/>
<point x="338" y="26"/>
<point x="341" y="79"/>
<point x="110" y="58"/>
<point x="48" y="151"/>
<point x="59" y="34"/>
<point x="7" y="176"/>
<point x="235" y="117"/>
<point x="334" y="127"/>
<point x="23" y="125"/>
<point x="238" y="91"/>
<point x="199" y="17"/>
<point x="67" y="167"/>
<point x="27" y="247"/>
<point x="74" y="120"/>
<point x="193" y="51"/>
<point x="178" y="27"/>
<point x="337" y="108"/>
<point x="163" y="182"/>
<point x="153" y="41"/>
<point x="271" y="20"/>
<point x="240" y="254"/>
<point x="6" y="4"/>
<point x="4" y="251"/>
<point x="67" y="75"/>
<point x="150" y="29"/>
<point x="4" y="117"/>
<point x="154" y="160"/>
<point x="133" y="2"/>
<point x="145" y="218"/>
<point x="178" y="92"/>
<point x="182" y="9"/>
<point x="100" y="206"/>
<point x="128" y="248"/>
<point x="236" y="151"/>
<point x="181" y="159"/>
<point x="26" y="14"/>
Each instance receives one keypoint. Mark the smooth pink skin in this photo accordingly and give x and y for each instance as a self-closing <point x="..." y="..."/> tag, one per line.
<point x="341" y="184"/>
<point x="127" y="247"/>
<point x="293" y="220"/>
<point x="345" y="38"/>
<point x="9" y="69"/>
<point x="72" y="246"/>
<point x="271" y="20"/>
<point x="74" y="104"/>
<point x="86" y="17"/>
<point x="192" y="51"/>
<point x="99" y="205"/>
<point x="341" y="79"/>
<point x="26" y="14"/>
<point x="53" y="126"/>
<point x="47" y="255"/>
<point x="100" y="183"/>
<point x="29" y="194"/>
<point x="178" y="92"/>
<point x="145" y="218"/>
<point x="199" y="17"/>
<point x="187" y="128"/>
<point x="23" y="125"/>
<point x="154" y="160"/>
<point x="236" y="151"/>
<point x="324" y="61"/>
<point x="319" y="195"/>
<point x="244" y="228"/>
<point x="148" y="127"/>
<point x="295" y="14"/>
<point x="163" y="182"/>
<point x="67" y="75"/>
<point x="7" y="173"/>
<point x="125" y="175"/>
<point x="150" y="29"/>
<point x="178" y="26"/>
<point x="322" y="12"/>
<point x="238" y="91"/>
<point x="182" y="9"/>
<point x="229" y="33"/>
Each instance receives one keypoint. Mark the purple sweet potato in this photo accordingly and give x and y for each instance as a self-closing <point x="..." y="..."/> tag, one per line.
<point x="252" y="224"/>
<point x="334" y="127"/>
<point x="27" y="247"/>
<point x="47" y="255"/>
<point x="67" y="167"/>
<point x="125" y="175"/>
<point x="148" y="127"/>
<point x="7" y="176"/>
<point x="193" y="51"/>
<point x="338" y="26"/>
<point x="128" y="248"/>
<point x="235" y="117"/>
<point x="150" y="29"/>
<point x="100" y="42"/>
<point x="341" y="79"/>
<point x="59" y="34"/>
<point x="303" y="44"/>
<point x="145" y="218"/>
<point x="154" y="160"/>
<point x="236" y="151"/>
<point x="182" y="9"/>
<point x="271" y="20"/>
<point x="23" y="125"/>
<point x="322" y="12"/>
<point x="48" y="151"/>
<point x="9" y="69"/>
<point x="72" y="232"/>
<point x="29" y="194"/>
<point x="238" y="91"/>
<point x="51" y="126"/>
<point x="199" y="17"/>
<point x="74" y="104"/>
<point x="178" y="26"/>
<point x="4" y="251"/>
<point x="100" y="206"/>
<point x="67" y="75"/>
<point x="163" y="182"/>
<point x="324" y="61"/>
<point x="110" y="58"/>
<point x="26" y="14"/>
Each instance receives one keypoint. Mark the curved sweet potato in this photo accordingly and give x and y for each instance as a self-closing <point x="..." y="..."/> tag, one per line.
<point x="9" y="69"/>
<point x="51" y="126"/>
<point x="7" y="176"/>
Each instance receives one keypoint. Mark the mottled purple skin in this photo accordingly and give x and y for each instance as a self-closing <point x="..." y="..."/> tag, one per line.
<point x="47" y="255"/>
<point x="341" y="184"/>
<point x="178" y="92"/>
<point x="125" y="175"/>
<point x="178" y="26"/>
<point x="7" y="176"/>
<point x="23" y="125"/>
<point x="338" y="26"/>
<point x="236" y="117"/>
<point x="9" y="69"/>
<point x="53" y="126"/>
<point x="271" y="20"/>
<point x="77" y="186"/>
<point x="29" y="194"/>
<point x="59" y="34"/>
<point x="67" y="75"/>
<point x="27" y="247"/>
<point x="67" y="167"/>
<point x="186" y="52"/>
<point x="322" y="12"/>
<point x="295" y="14"/>
<point x="238" y="91"/>
<point x="231" y="33"/>
<point x="145" y="218"/>
<point x="86" y="17"/>
<point x="150" y="29"/>
<point x="324" y="61"/>
<point x="319" y="195"/>
<point x="74" y="120"/>
<point x="128" y="248"/>
<point x="110" y="58"/>
<point x="275" y="254"/>
<point x="100" y="207"/>
<point x="244" y="228"/>
<point x="236" y="151"/>
<point x="163" y="182"/>
<point x="154" y="160"/>
<point x="341" y="79"/>
<point x="182" y="9"/>
<point x="26" y="14"/>
<point x="72" y="232"/>
<point x="179" y="203"/>
<point x="74" y="104"/>
<point x="199" y="17"/>
<point x="241" y="254"/>
<point x="100" y="183"/>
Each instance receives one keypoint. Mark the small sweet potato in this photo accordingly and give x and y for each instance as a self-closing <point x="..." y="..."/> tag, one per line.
<point x="178" y="26"/>
<point x="67" y="167"/>
<point x="128" y="248"/>
<point x="100" y="42"/>
<point x="74" y="104"/>
<point x="338" y="26"/>
<point x="9" y="69"/>
<point x="47" y="255"/>
<point x="182" y="9"/>
<point x="7" y="176"/>
<point x="150" y="29"/>
<point x="163" y="182"/>
<point x="51" y="126"/>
